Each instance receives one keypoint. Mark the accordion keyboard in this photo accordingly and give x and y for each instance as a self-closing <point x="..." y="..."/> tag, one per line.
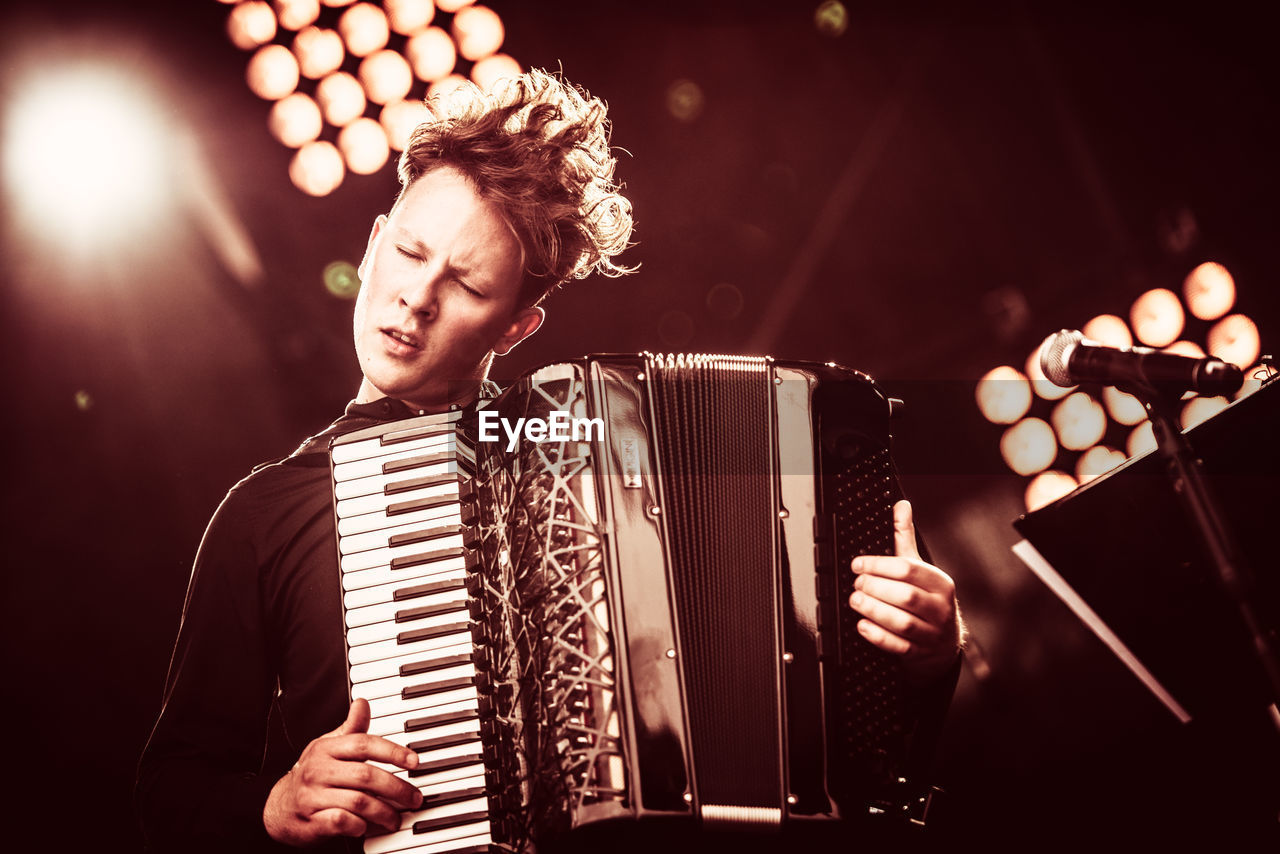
<point x="397" y="498"/>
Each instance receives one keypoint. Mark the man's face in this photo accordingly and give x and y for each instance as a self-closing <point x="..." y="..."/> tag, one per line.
<point x="440" y="280"/>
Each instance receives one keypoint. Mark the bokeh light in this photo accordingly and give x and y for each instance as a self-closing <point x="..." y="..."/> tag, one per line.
<point x="1123" y="407"/>
<point x="1003" y="394"/>
<point x="386" y="76"/>
<point x="317" y="168"/>
<point x="250" y="24"/>
<point x="341" y="98"/>
<point x="1200" y="409"/>
<point x="1185" y="348"/>
<point x="364" y="147"/>
<point x="1029" y="446"/>
<point x="342" y="279"/>
<point x="442" y="87"/>
<point x="685" y="100"/>
<point x="1141" y="440"/>
<point x="432" y="54"/>
<point x="452" y="5"/>
<point x="1209" y="290"/>
<point x="296" y="14"/>
<point x="295" y="120"/>
<point x="406" y="17"/>
<point x="1157" y="317"/>
<point x="1097" y="461"/>
<point x="364" y="28"/>
<point x="489" y="71"/>
<point x="1047" y="488"/>
<point x="272" y="72"/>
<point x="1079" y="421"/>
<point x="478" y="31"/>
<point x="1108" y="330"/>
<point x="1235" y="339"/>
<point x="1042" y="385"/>
<point x="831" y="18"/>
<point x="399" y="119"/>
<point x="319" y="52"/>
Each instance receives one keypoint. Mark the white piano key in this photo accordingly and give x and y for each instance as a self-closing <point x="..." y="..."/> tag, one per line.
<point x="387" y="667"/>
<point x="365" y="653"/>
<point x="381" y="538"/>
<point x="385" y="555"/>
<point x="445" y="514"/>
<point x="396" y="705"/>
<point x="393" y="685"/>
<point x="364" y="596"/>
<point x="367" y="466"/>
<point x="460" y="783"/>
<point x="386" y="575"/>
<point x="389" y="630"/>
<point x="378" y="502"/>
<point x="387" y="724"/>
<point x="362" y="449"/>
<point x="386" y="611"/>
<point x="471" y="728"/>
<point x="435" y="842"/>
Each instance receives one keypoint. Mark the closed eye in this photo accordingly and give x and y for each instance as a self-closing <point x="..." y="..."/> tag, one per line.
<point x="406" y="253"/>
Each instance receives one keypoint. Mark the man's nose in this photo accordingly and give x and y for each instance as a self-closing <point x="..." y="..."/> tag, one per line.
<point x="421" y="296"/>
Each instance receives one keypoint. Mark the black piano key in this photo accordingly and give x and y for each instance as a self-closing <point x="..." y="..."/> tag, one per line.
<point x="432" y="632"/>
<point x="402" y="507"/>
<point x="419" y="482"/>
<point x="424" y="535"/>
<point x="441" y="798"/>
<point x="449" y="821"/>
<point x="393" y="466"/>
<point x="429" y="611"/>
<point x="426" y="557"/>
<point x="445" y="741"/>
<point x="418" y="724"/>
<point x="426" y="589"/>
<point x="445" y="764"/>
<point x="411" y="691"/>
<point x="435" y="664"/>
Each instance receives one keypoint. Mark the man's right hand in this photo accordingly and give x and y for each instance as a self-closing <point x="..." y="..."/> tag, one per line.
<point x="333" y="791"/>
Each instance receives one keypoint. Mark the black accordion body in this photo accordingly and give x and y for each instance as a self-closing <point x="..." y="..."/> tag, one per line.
<point x="615" y="599"/>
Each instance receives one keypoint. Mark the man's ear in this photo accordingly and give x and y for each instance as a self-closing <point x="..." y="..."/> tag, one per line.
<point x="373" y="239"/>
<point x="524" y="323"/>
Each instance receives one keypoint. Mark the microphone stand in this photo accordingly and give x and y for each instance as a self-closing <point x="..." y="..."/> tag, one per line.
<point x="1187" y="476"/>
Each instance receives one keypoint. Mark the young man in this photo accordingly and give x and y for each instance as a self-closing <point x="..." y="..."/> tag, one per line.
<point x="504" y="198"/>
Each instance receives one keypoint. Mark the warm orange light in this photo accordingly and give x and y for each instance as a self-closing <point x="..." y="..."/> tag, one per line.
<point x="316" y="168"/>
<point x="1041" y="384"/>
<point x="453" y="5"/>
<point x="1047" y="488"/>
<point x="364" y="146"/>
<point x="337" y="3"/>
<point x="1079" y="421"/>
<point x="491" y="70"/>
<point x="442" y="87"/>
<point x="1185" y="348"/>
<point x="272" y="72"/>
<point x="1141" y="440"/>
<point x="1109" y="330"/>
<point x="295" y="120"/>
<point x="341" y="98"/>
<point x="1210" y="291"/>
<point x="386" y="76"/>
<point x="319" y="52"/>
<point x="408" y="16"/>
<point x="1201" y="409"/>
<point x="399" y="120"/>
<point x="1123" y="407"/>
<point x="478" y="31"/>
<point x="296" y="14"/>
<point x="1096" y="461"/>
<point x="432" y="54"/>
<point x="1157" y="317"/>
<point x="1235" y="339"/>
<point x="364" y="28"/>
<point x="1003" y="395"/>
<point x="1029" y="446"/>
<point x="251" y="24"/>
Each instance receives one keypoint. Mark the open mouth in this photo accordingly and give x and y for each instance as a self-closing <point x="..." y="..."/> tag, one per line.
<point x="402" y="338"/>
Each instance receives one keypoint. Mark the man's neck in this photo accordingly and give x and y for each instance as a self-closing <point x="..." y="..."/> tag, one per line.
<point x="368" y="393"/>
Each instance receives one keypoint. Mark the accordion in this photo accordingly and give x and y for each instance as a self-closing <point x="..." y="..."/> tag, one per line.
<point x="615" y="597"/>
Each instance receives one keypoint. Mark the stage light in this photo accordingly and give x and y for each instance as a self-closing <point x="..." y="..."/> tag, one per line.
<point x="1185" y="348"/>
<point x="1047" y="488"/>
<point x="478" y="31"/>
<point x="337" y="3"/>
<point x="1109" y="330"/>
<point x="296" y="14"/>
<point x="432" y="54"/>
<point x="272" y="72"/>
<point x="1079" y="421"/>
<point x="488" y="72"/>
<point x="1029" y="446"/>
<point x="317" y="168"/>
<point x="399" y="119"/>
<point x="295" y="120"/>
<point x="386" y="76"/>
<point x="406" y="17"/>
<point x="319" y="52"/>
<point x="342" y="279"/>
<point x="341" y="98"/>
<point x="1003" y="395"/>
<point x="1097" y="461"/>
<point x="364" y="146"/>
<point x="831" y="18"/>
<point x="364" y="28"/>
<point x="87" y="157"/>
<point x="1200" y="409"/>
<point x="1235" y="339"/>
<point x="1040" y="383"/>
<point x="251" y="24"/>
<point x="452" y="5"/>
<point x="1157" y="317"/>
<point x="1210" y="291"/>
<point x="1123" y="407"/>
<point x="442" y="87"/>
<point x="685" y="100"/>
<point x="1141" y="440"/>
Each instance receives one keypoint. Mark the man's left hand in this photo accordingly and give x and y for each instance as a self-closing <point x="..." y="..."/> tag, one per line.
<point x="909" y="605"/>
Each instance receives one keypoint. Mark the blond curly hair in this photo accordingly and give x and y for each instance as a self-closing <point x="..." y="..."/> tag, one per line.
<point x="538" y="147"/>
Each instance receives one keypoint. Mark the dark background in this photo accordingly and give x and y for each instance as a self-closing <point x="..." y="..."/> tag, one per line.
<point x="924" y="197"/>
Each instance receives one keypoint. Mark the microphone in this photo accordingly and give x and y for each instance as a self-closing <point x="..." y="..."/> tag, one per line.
<point x="1068" y="358"/>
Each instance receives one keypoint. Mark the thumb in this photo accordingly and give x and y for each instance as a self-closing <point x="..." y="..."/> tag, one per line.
<point x="904" y="531"/>
<point x="357" y="718"/>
